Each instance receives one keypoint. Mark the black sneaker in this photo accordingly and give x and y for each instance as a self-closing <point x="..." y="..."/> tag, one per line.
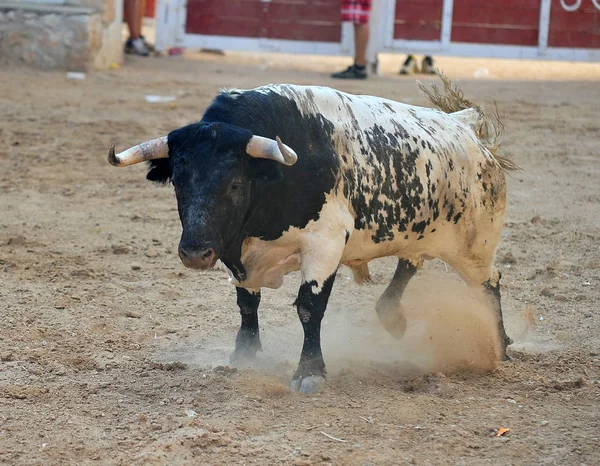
<point x="137" y="47"/>
<point x="351" y="73"/>
<point x="409" y="66"/>
<point x="427" y="66"/>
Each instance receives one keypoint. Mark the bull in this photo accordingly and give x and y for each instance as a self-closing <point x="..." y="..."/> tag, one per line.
<point x="284" y="178"/>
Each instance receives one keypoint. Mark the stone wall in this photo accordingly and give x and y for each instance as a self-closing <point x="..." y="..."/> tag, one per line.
<point x="66" y="37"/>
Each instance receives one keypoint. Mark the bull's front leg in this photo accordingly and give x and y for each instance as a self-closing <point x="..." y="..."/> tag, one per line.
<point x="318" y="275"/>
<point x="247" y="342"/>
<point x="311" y="304"/>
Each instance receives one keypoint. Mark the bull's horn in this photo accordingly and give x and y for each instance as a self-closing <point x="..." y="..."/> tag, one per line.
<point x="149" y="150"/>
<point x="265" y="148"/>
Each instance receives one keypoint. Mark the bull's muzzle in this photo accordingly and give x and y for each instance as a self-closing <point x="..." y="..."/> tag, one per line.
<point x="198" y="259"/>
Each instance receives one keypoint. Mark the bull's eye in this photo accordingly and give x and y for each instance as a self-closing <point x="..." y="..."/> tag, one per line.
<point x="236" y="186"/>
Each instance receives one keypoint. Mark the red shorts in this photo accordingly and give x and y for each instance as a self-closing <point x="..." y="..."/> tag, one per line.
<point x="356" y="11"/>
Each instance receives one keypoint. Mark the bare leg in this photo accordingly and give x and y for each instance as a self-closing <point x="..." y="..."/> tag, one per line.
<point x="134" y="12"/>
<point x="361" y="40"/>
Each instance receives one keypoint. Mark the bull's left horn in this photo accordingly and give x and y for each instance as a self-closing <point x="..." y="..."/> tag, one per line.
<point x="149" y="150"/>
<point x="265" y="148"/>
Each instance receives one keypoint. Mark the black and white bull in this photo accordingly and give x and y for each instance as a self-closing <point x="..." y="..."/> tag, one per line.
<point x="356" y="178"/>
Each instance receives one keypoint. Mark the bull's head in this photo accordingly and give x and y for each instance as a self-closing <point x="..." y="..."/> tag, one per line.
<point x="213" y="167"/>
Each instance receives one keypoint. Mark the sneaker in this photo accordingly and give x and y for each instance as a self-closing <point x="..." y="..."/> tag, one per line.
<point x="351" y="73"/>
<point x="409" y="66"/>
<point x="148" y="44"/>
<point x="427" y="66"/>
<point x="137" y="46"/>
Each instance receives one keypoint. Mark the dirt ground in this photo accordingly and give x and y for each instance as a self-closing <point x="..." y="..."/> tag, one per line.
<point x="113" y="353"/>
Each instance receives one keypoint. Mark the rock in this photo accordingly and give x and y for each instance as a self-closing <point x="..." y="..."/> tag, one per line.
<point x="16" y="241"/>
<point x="547" y="292"/>
<point x="136" y="267"/>
<point x="537" y="221"/>
<point x="82" y="273"/>
<point x="7" y="356"/>
<point x="544" y="423"/>
<point x="151" y="252"/>
<point x="133" y="315"/>
<point x="120" y="249"/>
<point x="508" y="258"/>
<point x="561" y="297"/>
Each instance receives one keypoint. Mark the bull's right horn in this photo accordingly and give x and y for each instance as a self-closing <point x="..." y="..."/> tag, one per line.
<point x="265" y="148"/>
<point x="149" y="150"/>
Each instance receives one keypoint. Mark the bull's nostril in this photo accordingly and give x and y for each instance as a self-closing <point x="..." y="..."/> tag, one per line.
<point x="183" y="252"/>
<point x="207" y="254"/>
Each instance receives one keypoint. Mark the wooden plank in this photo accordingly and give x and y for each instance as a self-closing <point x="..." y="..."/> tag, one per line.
<point x="414" y="31"/>
<point x="494" y="35"/>
<point x="306" y="30"/>
<point x="496" y="13"/>
<point x="580" y="28"/>
<point x="239" y="18"/>
<point x="418" y="19"/>
<point x="510" y="22"/>
<point x="319" y="11"/>
<point x="308" y="20"/>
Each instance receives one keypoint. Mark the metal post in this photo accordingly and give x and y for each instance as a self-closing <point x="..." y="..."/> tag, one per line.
<point x="446" y="23"/>
<point x="544" y="27"/>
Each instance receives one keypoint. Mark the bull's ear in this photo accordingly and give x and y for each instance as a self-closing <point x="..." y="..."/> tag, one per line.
<point x="160" y="171"/>
<point x="264" y="171"/>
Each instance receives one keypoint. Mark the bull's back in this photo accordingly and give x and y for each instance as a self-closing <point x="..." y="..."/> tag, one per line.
<point x="409" y="174"/>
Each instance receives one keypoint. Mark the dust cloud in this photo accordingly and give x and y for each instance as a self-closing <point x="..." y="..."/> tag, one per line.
<point x="450" y="328"/>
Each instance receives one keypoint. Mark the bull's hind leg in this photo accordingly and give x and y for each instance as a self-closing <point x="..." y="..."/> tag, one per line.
<point x="388" y="306"/>
<point x="247" y="342"/>
<point x="482" y="274"/>
<point x="492" y="288"/>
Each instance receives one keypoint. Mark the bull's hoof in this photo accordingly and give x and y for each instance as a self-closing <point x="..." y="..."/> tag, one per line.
<point x="504" y="356"/>
<point x="394" y="323"/>
<point x="307" y="385"/>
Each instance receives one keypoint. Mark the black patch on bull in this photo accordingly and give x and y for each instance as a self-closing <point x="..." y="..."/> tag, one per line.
<point x="299" y="197"/>
<point x="374" y="198"/>
<point x="208" y="159"/>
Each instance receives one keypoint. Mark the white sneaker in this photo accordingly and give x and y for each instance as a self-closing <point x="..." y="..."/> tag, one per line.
<point x="137" y="46"/>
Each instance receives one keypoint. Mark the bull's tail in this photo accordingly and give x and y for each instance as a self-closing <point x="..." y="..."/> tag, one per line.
<point x="488" y="127"/>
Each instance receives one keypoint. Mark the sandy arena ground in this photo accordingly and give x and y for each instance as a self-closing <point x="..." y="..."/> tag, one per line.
<point x="113" y="353"/>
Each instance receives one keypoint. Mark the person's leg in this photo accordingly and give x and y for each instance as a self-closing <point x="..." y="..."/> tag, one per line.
<point x="357" y="12"/>
<point x="361" y="40"/>
<point x="134" y="14"/>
